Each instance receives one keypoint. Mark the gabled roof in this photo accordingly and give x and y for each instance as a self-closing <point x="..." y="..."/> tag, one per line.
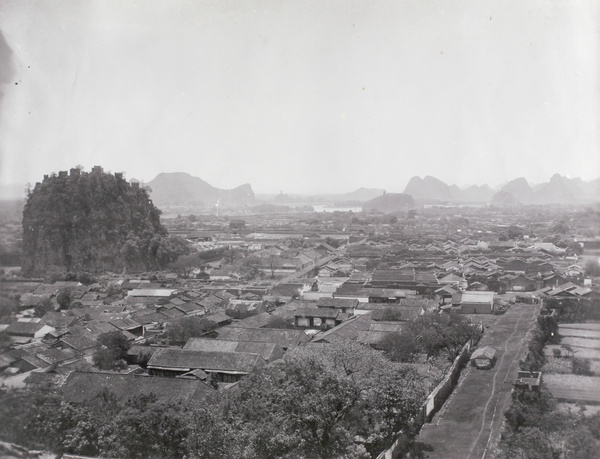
<point x="51" y="356"/>
<point x="219" y="318"/>
<point x="268" y="351"/>
<point x="349" y="329"/>
<point x="337" y="303"/>
<point x="25" y="328"/>
<point x="476" y="297"/>
<point x="125" y="324"/>
<point x="285" y="338"/>
<point x="322" y="313"/>
<point x="255" y="321"/>
<point x="79" y="342"/>
<point x="184" y="359"/>
<point x="487" y="352"/>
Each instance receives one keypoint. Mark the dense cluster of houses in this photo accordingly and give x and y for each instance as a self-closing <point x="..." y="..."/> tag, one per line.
<point x="364" y="288"/>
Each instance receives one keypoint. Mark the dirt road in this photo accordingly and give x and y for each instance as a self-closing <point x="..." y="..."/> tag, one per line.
<point x="468" y="426"/>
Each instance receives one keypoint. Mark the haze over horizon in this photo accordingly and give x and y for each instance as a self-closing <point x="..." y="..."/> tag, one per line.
<point x="309" y="97"/>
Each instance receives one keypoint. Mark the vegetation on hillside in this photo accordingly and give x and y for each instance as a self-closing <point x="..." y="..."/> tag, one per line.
<point x="93" y="222"/>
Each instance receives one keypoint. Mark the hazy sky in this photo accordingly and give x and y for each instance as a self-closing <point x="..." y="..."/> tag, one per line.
<point x="302" y="96"/>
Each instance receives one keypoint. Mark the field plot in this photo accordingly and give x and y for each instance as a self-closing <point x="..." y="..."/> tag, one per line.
<point x="581" y="326"/>
<point x="573" y="387"/>
<point x="587" y="410"/>
<point x="579" y="332"/>
<point x="581" y="342"/>
<point x="581" y="352"/>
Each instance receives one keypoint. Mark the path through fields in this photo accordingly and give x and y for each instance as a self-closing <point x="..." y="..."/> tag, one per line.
<point x="468" y="426"/>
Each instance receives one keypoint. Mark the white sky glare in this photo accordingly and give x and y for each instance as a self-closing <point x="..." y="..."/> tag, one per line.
<point x="310" y="96"/>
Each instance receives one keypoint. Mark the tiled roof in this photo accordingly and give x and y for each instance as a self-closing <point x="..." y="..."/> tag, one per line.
<point x="337" y="303"/>
<point x="267" y="351"/>
<point x="283" y="337"/>
<point x="205" y="360"/>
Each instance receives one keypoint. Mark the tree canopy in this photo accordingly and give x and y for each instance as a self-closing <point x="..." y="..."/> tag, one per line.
<point x="112" y="355"/>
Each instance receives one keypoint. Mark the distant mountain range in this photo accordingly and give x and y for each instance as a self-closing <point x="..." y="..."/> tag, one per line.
<point x="433" y="189"/>
<point x="518" y="191"/>
<point x="183" y="189"/>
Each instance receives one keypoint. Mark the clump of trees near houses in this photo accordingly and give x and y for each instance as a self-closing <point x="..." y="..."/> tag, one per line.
<point x="321" y="401"/>
<point x="432" y="334"/>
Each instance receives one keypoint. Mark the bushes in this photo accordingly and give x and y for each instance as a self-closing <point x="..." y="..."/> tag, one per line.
<point x="112" y="355"/>
<point x="434" y="334"/>
<point x="141" y="427"/>
<point x="581" y="367"/>
<point x="535" y="359"/>
<point x="536" y="428"/>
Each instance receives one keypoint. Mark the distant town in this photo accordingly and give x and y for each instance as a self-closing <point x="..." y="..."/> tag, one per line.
<point x="175" y="319"/>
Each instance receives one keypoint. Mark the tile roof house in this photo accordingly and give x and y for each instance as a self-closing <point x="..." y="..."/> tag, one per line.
<point x="474" y="302"/>
<point x="268" y="351"/>
<point x="345" y="305"/>
<point x="286" y="338"/>
<point x="225" y="366"/>
<point x="256" y="321"/>
<point x="28" y="329"/>
<point x="318" y="318"/>
<point x="80" y="343"/>
<point x="349" y="329"/>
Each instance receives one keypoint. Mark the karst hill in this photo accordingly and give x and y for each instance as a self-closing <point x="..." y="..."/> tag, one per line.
<point x="93" y="221"/>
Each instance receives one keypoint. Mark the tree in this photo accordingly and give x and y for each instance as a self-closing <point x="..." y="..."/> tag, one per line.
<point x="574" y="248"/>
<point x="9" y="305"/>
<point x="251" y="268"/>
<point x="514" y="232"/>
<point x="148" y="428"/>
<point x="592" y="268"/>
<point x="581" y="367"/>
<point x="185" y="264"/>
<point x="431" y="333"/>
<point x="398" y="347"/>
<point x="112" y="355"/>
<point x="531" y="443"/>
<point x="316" y="400"/>
<point x="211" y="434"/>
<point x="64" y="298"/>
<point x="230" y="255"/>
<point x="42" y="308"/>
<point x="559" y="228"/>
<point x="182" y="330"/>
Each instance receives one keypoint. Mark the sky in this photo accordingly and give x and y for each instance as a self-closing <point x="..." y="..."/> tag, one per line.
<point x="301" y="96"/>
